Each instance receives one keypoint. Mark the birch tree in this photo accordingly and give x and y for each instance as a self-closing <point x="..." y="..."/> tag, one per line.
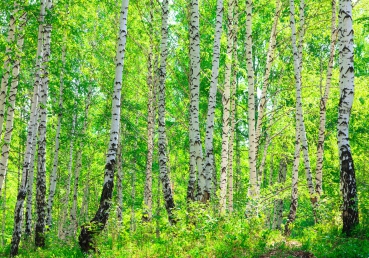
<point x="323" y="103"/>
<point x="205" y="178"/>
<point x="41" y="163"/>
<point x="350" y="213"/>
<point x="162" y="142"/>
<point x="226" y="110"/>
<point x="98" y="222"/>
<point x="252" y="191"/>
<point x="195" y="140"/>
<point x="278" y="203"/>
<point x="32" y="127"/>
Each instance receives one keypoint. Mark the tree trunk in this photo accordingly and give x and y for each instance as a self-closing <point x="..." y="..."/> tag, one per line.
<point x="101" y="217"/>
<point x="295" y="178"/>
<point x="120" y="180"/>
<point x="41" y="163"/>
<point x="226" y="110"/>
<point x="278" y="203"/>
<point x="147" y="214"/>
<point x="350" y="213"/>
<point x="208" y="170"/>
<point x="53" y="176"/>
<point x="163" y="159"/>
<point x="323" y="103"/>
<point x="195" y="140"/>
<point x="252" y="191"/>
<point x="32" y="127"/>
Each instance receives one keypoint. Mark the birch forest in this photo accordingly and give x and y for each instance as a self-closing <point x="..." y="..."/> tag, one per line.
<point x="184" y="128"/>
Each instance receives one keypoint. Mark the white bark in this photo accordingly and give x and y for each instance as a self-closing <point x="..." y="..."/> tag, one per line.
<point x="195" y="140"/>
<point x="226" y="110"/>
<point x="120" y="182"/>
<point x="102" y="214"/>
<point x="323" y="103"/>
<point x="269" y="62"/>
<point x="5" y="78"/>
<point x="11" y="100"/>
<point x="162" y="142"/>
<point x="297" y="61"/>
<point x="350" y="214"/>
<point x="53" y="175"/>
<point x="205" y="178"/>
<point x="18" y="213"/>
<point x="252" y="191"/>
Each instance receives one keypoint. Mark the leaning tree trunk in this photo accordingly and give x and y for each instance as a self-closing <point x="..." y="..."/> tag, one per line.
<point x="205" y="178"/>
<point x="295" y="178"/>
<point x="5" y="83"/>
<point x="41" y="163"/>
<point x="195" y="140"/>
<point x="226" y="111"/>
<point x="120" y="182"/>
<point x="53" y="176"/>
<point x="252" y="191"/>
<point x="147" y="214"/>
<point x="32" y="129"/>
<point x="97" y="224"/>
<point x="278" y="203"/>
<point x="162" y="142"/>
<point x="323" y="103"/>
<point x="350" y="213"/>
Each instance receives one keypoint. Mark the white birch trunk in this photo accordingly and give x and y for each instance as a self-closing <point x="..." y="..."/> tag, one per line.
<point x="295" y="178"/>
<point x="41" y="164"/>
<point x="226" y="111"/>
<point x="53" y="176"/>
<point x="32" y="127"/>
<point x="208" y="170"/>
<point x="162" y="142"/>
<point x="11" y="100"/>
<point x="5" y="78"/>
<point x="297" y="61"/>
<point x="102" y="214"/>
<point x="269" y="62"/>
<point x="252" y="191"/>
<point x="350" y="214"/>
<point x="195" y="140"/>
<point x="323" y="103"/>
<point x="120" y="182"/>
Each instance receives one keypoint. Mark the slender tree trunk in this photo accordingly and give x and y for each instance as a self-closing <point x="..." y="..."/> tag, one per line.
<point x="208" y="170"/>
<point x="163" y="159"/>
<point x="269" y="62"/>
<point x="5" y="78"/>
<point x="226" y="110"/>
<point x="102" y="214"/>
<point x="147" y="215"/>
<point x="323" y="103"/>
<point x="195" y="140"/>
<point x="41" y="163"/>
<point x="32" y="127"/>
<point x="53" y="176"/>
<point x="252" y="191"/>
<point x="295" y="178"/>
<point x="278" y="203"/>
<point x="120" y="179"/>
<point x="77" y="172"/>
<point x="4" y="217"/>
<point x="350" y="213"/>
